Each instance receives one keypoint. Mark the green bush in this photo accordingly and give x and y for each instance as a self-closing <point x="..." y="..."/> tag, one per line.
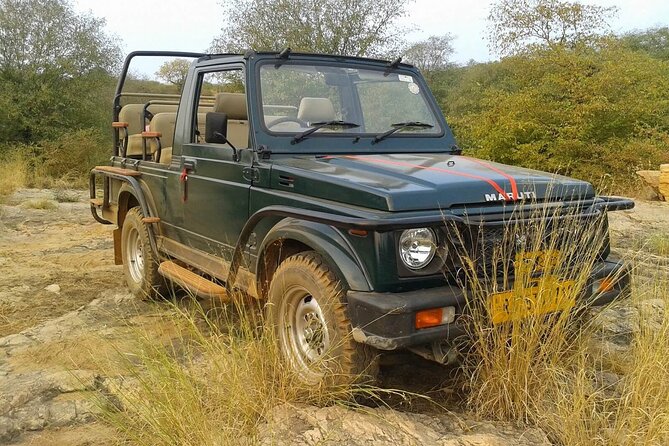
<point x="587" y="112"/>
<point x="63" y="162"/>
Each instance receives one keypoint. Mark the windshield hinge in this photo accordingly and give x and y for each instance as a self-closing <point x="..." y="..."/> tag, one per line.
<point x="264" y="152"/>
<point x="282" y="56"/>
<point x="392" y="65"/>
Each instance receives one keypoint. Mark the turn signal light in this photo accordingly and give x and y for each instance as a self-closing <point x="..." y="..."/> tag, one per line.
<point x="435" y="317"/>
<point x="606" y="285"/>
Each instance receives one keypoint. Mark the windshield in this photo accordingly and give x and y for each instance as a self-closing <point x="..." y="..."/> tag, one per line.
<point x="322" y="99"/>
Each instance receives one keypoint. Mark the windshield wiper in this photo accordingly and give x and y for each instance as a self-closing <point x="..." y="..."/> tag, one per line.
<point x="399" y="126"/>
<point x="321" y="125"/>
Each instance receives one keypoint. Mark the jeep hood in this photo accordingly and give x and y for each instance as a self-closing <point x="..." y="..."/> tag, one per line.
<point x="412" y="182"/>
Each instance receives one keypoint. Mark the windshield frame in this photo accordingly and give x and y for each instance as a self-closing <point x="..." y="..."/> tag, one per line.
<point x="348" y="142"/>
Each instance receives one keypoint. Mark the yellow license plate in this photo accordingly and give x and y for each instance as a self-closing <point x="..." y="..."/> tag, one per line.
<point x="530" y="296"/>
<point x="551" y="295"/>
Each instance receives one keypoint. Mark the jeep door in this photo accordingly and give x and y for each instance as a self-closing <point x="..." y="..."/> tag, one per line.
<point x="214" y="190"/>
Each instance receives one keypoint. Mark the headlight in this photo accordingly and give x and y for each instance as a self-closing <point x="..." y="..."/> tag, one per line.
<point x="417" y="247"/>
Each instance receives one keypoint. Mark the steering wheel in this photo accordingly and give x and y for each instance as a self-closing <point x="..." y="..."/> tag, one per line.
<point x="283" y="119"/>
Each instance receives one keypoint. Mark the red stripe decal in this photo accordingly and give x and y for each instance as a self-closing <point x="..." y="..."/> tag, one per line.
<point x="434" y="169"/>
<point x="512" y="180"/>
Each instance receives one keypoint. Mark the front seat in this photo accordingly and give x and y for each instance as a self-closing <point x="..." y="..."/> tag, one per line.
<point x="313" y="110"/>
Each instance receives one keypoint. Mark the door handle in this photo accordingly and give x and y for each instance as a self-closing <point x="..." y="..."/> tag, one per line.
<point x="188" y="165"/>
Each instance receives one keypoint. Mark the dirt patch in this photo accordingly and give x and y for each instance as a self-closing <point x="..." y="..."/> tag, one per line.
<point x="41" y="248"/>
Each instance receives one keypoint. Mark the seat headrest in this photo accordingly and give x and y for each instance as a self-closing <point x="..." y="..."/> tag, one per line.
<point x="232" y="104"/>
<point x="316" y="110"/>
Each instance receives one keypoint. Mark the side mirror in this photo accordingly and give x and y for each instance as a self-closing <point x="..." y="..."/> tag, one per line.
<point x="216" y="128"/>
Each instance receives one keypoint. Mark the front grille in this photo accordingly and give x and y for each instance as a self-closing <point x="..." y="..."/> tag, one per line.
<point x="489" y="250"/>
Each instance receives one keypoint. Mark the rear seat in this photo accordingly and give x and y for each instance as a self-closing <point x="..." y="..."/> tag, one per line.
<point x="133" y="114"/>
<point x="165" y="123"/>
<point x="164" y="118"/>
<point x="234" y="106"/>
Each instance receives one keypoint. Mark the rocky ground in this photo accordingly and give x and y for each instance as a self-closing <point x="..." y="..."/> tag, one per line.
<point x="65" y="313"/>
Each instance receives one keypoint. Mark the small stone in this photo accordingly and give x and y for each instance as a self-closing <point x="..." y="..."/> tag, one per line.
<point x="53" y="288"/>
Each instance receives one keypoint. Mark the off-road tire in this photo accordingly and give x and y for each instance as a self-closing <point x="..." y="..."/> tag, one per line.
<point x="140" y="265"/>
<point x="344" y="361"/>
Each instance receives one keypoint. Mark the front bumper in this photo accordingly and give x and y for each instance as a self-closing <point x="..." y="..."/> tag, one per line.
<point x="387" y="320"/>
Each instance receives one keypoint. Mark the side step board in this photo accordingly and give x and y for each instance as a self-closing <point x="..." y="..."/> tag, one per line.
<point x="192" y="282"/>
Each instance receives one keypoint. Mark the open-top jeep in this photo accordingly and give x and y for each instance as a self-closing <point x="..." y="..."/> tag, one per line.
<point x="331" y="189"/>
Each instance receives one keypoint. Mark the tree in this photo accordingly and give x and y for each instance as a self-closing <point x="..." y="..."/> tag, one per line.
<point x="55" y="69"/>
<point x="347" y="27"/>
<point x="432" y="54"/>
<point x="174" y="72"/>
<point x="653" y="41"/>
<point x="588" y="113"/>
<point x="517" y="24"/>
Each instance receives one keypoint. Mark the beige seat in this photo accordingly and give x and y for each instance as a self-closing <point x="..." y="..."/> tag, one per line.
<point x="316" y="110"/>
<point x="164" y="123"/>
<point x="234" y="106"/>
<point x="164" y="118"/>
<point x="133" y="114"/>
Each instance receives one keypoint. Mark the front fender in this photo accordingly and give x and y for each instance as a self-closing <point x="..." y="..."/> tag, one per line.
<point x="326" y="240"/>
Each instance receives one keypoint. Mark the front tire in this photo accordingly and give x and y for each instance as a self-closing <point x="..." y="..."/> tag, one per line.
<point x="307" y="309"/>
<point x="140" y="266"/>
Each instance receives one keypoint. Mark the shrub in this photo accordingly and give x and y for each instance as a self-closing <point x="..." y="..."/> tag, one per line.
<point x="587" y="112"/>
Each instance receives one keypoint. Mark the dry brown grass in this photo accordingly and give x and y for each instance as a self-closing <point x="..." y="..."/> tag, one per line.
<point x="42" y="203"/>
<point x="544" y="371"/>
<point x="14" y="172"/>
<point x="213" y="384"/>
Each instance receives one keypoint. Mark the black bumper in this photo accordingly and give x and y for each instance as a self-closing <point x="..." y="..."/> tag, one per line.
<point x="387" y="320"/>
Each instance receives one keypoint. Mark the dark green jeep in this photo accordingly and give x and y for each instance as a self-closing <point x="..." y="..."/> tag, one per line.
<point x="331" y="189"/>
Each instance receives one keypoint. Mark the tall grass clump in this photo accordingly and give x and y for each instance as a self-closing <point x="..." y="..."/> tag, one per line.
<point x="215" y="383"/>
<point x="15" y="172"/>
<point x="540" y="366"/>
<point x="642" y="416"/>
<point x="635" y="409"/>
<point x="516" y="277"/>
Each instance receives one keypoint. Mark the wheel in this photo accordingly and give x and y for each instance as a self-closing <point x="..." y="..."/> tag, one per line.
<point x="307" y="311"/>
<point x="139" y="263"/>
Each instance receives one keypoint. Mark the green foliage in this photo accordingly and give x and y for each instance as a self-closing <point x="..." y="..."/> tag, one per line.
<point x="55" y="70"/>
<point x="654" y="42"/>
<point x="351" y="27"/>
<point x="516" y="25"/>
<point x="62" y="162"/>
<point x="584" y="112"/>
<point x="174" y="72"/>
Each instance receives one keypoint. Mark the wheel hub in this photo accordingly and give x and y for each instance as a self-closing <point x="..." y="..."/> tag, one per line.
<point x="310" y="330"/>
<point x="135" y="256"/>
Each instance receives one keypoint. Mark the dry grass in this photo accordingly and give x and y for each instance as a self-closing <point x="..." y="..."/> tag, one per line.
<point x="543" y="370"/>
<point x="213" y="384"/>
<point x="14" y="173"/>
<point x="658" y="244"/>
<point x="61" y="163"/>
<point x="42" y="203"/>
